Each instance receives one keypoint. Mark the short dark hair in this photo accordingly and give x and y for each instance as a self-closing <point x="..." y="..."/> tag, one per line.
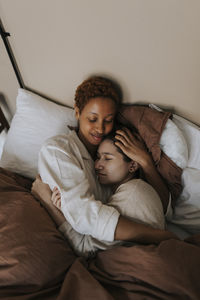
<point x="97" y="86"/>
<point x="111" y="137"/>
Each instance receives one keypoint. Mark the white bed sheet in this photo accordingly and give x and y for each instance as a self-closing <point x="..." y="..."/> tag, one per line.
<point x="191" y="133"/>
<point x="187" y="210"/>
<point x="186" y="216"/>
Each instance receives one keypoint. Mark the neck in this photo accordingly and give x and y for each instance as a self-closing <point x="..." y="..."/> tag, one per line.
<point x="116" y="185"/>
<point x="90" y="148"/>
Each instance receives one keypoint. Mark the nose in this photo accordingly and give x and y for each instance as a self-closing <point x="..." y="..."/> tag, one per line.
<point x="98" y="165"/>
<point x="100" y="127"/>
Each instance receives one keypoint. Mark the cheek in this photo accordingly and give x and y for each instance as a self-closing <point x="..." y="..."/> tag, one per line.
<point x="108" y="128"/>
<point x="112" y="169"/>
<point x="118" y="171"/>
<point x="85" y="126"/>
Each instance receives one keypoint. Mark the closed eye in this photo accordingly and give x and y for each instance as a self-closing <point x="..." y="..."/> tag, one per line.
<point x="108" y="121"/>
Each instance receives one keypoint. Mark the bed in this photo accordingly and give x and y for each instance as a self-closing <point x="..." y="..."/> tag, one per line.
<point x="36" y="262"/>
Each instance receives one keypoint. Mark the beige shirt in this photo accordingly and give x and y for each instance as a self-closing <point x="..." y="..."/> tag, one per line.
<point x="136" y="200"/>
<point x="65" y="162"/>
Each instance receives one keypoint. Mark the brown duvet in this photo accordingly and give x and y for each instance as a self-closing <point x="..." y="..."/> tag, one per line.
<point x="37" y="263"/>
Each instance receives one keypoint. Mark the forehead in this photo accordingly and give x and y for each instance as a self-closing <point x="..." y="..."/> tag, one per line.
<point x="100" y="106"/>
<point x="108" y="147"/>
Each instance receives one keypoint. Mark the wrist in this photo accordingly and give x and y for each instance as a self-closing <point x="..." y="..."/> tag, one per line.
<point x="147" y="163"/>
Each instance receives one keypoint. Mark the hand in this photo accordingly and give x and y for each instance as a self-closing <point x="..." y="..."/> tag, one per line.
<point x="135" y="149"/>
<point x="43" y="193"/>
<point x="40" y="190"/>
<point x="56" y="198"/>
<point x="132" y="146"/>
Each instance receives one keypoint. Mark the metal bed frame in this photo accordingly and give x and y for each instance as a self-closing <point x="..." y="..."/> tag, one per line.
<point x="3" y="121"/>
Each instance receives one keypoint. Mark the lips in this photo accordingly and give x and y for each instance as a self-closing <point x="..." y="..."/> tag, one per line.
<point x="101" y="174"/>
<point x="97" y="138"/>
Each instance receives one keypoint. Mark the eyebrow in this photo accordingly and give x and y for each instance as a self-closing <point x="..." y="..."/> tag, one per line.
<point x="93" y="113"/>
<point x="106" y="153"/>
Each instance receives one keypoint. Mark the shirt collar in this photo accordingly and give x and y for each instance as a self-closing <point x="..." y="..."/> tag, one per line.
<point x="84" y="152"/>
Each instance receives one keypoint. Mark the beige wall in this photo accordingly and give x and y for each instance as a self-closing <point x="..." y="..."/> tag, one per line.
<point x="151" y="46"/>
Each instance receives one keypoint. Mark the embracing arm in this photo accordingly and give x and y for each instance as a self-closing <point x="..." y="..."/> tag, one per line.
<point x="155" y="180"/>
<point x="128" y="230"/>
<point x="84" y="213"/>
<point x="80" y="243"/>
<point x="61" y="165"/>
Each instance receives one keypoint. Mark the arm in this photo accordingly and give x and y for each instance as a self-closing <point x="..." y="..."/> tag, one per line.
<point x="134" y="148"/>
<point x="86" y="215"/>
<point x="81" y="244"/>
<point x="60" y="166"/>
<point x="155" y="180"/>
<point x="127" y="230"/>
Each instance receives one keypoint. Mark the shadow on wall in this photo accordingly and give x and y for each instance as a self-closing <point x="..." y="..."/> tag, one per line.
<point x="5" y="117"/>
<point x="5" y="108"/>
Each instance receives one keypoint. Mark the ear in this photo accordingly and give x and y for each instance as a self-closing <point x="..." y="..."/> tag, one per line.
<point x="133" y="166"/>
<point x="77" y="112"/>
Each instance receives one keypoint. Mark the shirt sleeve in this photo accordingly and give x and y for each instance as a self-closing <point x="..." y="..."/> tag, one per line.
<point x="82" y="244"/>
<point x="85" y="214"/>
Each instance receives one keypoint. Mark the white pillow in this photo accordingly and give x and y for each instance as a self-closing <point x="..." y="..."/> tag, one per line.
<point x="36" y="119"/>
<point x="191" y="133"/>
<point x="187" y="209"/>
<point x="173" y="142"/>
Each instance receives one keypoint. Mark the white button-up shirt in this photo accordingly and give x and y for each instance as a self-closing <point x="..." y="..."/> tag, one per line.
<point x="65" y="162"/>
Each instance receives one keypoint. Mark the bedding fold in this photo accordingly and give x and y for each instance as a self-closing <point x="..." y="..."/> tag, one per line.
<point x="36" y="262"/>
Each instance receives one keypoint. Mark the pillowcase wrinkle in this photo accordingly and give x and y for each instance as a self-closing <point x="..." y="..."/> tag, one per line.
<point x="36" y="119"/>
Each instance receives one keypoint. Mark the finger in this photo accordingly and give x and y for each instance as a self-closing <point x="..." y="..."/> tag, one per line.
<point x="55" y="200"/>
<point x="121" y="133"/>
<point x="55" y="189"/>
<point x="134" y="139"/>
<point x="38" y="177"/>
<point x="57" y="193"/>
<point x="126" y="134"/>
<point x="133" y="136"/>
<point x="122" y="137"/>
<point x="121" y="146"/>
<point x="57" y="203"/>
<point x="56" y="196"/>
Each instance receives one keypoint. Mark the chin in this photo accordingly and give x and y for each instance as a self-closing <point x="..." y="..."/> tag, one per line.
<point x="103" y="182"/>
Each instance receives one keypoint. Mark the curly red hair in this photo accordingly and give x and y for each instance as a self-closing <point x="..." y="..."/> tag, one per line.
<point x="97" y="86"/>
